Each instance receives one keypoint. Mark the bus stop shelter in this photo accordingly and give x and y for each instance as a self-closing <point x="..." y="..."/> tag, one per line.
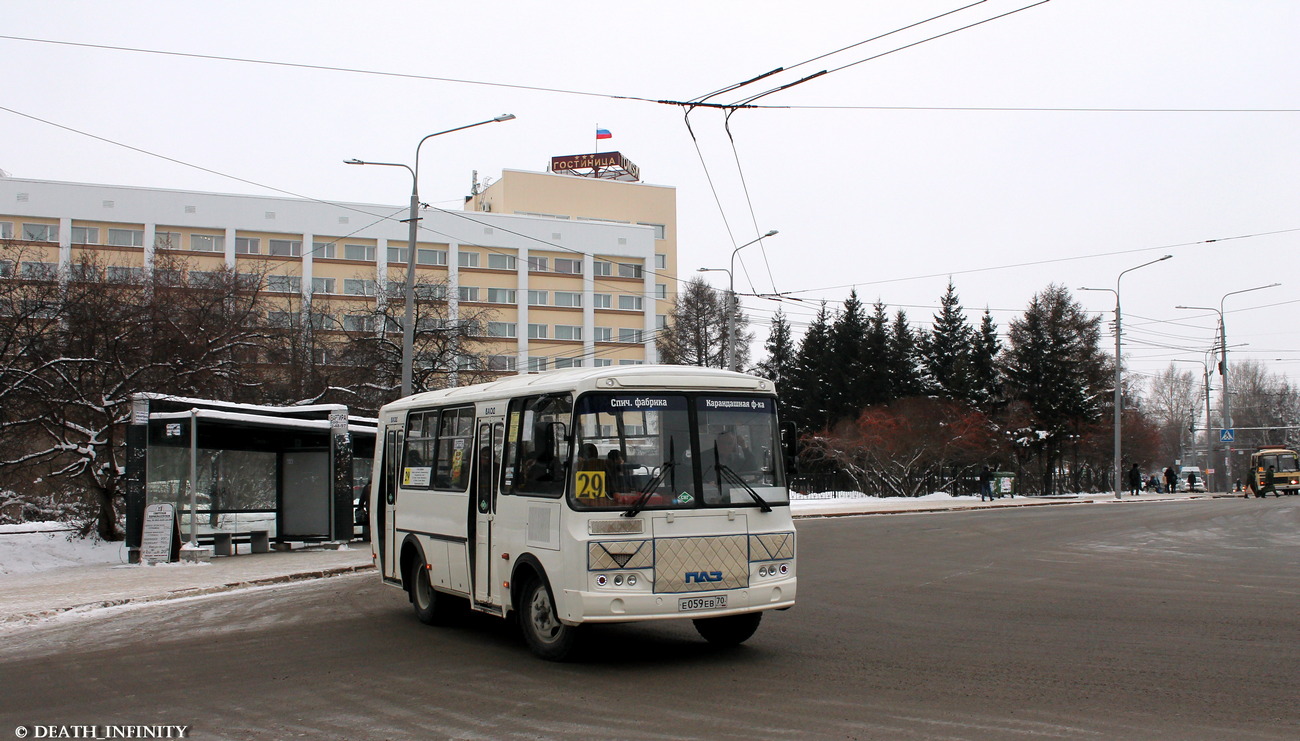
<point x="291" y="473"/>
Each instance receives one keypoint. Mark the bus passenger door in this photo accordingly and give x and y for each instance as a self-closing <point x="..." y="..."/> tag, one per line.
<point x="487" y="457"/>
<point x="387" y="503"/>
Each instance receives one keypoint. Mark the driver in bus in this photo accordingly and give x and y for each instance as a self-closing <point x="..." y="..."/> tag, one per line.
<point x="731" y="450"/>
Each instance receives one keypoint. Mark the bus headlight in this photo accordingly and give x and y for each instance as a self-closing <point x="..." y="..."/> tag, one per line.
<point x="631" y="580"/>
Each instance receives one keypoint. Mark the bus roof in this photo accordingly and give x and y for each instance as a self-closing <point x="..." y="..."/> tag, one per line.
<point x="613" y="378"/>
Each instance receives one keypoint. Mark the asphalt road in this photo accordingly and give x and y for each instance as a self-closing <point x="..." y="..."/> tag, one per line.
<point x="1118" y="621"/>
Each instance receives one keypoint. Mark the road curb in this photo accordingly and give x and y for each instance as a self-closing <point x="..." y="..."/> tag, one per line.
<point x="189" y="592"/>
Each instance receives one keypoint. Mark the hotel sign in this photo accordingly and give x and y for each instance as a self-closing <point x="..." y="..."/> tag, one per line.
<point x="611" y="165"/>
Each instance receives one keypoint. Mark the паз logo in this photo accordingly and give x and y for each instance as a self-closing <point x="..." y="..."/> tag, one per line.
<point x="700" y="577"/>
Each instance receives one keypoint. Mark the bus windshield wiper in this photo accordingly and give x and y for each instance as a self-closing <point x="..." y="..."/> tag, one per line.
<point x="734" y="479"/>
<point x="649" y="489"/>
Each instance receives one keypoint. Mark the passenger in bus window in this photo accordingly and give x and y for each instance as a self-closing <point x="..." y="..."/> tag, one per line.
<point x="731" y="450"/>
<point x="616" y="470"/>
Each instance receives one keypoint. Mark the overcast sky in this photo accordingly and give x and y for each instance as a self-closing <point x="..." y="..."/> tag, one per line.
<point x="874" y="174"/>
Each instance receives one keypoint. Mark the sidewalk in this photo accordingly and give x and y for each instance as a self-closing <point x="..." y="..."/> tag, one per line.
<point x="35" y="596"/>
<point x="47" y="593"/>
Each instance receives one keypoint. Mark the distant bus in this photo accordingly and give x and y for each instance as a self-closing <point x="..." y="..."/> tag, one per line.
<point x="610" y="494"/>
<point x="1286" y="469"/>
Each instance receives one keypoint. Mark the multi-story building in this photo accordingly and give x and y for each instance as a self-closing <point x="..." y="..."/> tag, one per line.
<point x="567" y="267"/>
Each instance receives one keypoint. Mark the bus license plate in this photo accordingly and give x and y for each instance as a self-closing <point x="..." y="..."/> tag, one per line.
<point x="716" y="602"/>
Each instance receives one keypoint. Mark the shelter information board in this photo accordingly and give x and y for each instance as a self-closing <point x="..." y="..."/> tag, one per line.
<point x="161" y="535"/>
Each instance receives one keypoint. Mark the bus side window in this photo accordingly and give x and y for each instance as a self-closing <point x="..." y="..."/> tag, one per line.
<point x="537" y="459"/>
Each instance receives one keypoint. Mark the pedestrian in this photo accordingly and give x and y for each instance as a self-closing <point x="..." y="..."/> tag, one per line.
<point x="1268" y="485"/>
<point x="986" y="484"/>
<point x="1191" y="481"/>
<point x="1134" y="481"/>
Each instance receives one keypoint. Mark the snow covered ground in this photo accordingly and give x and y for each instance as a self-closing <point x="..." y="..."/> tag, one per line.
<point x="38" y="546"/>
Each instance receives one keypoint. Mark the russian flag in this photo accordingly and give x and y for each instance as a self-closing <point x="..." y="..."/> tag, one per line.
<point x="603" y="134"/>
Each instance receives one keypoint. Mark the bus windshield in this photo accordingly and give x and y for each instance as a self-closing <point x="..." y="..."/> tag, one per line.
<point x="676" y="450"/>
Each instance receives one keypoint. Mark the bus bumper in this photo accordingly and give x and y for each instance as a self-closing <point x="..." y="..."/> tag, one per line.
<point x="616" y="606"/>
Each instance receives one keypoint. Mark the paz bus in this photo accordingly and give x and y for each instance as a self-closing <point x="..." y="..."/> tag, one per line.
<point x="588" y="495"/>
<point x="1286" y="470"/>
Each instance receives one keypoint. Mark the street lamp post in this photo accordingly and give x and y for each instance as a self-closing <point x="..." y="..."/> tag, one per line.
<point x="733" y="329"/>
<point x="1119" y="394"/>
<point x="408" y="326"/>
<point x="1209" y="441"/>
<point x="1223" y="371"/>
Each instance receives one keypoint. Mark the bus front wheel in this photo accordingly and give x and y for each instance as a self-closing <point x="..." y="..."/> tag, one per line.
<point x="546" y="635"/>
<point x="431" y="606"/>
<point x="729" y="630"/>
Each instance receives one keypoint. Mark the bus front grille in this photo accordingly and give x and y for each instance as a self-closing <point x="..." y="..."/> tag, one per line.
<point x="701" y="564"/>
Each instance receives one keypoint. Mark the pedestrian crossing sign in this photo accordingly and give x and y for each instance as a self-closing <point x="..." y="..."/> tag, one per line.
<point x="1227" y="435"/>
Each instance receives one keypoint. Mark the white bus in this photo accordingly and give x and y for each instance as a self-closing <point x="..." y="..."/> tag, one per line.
<point x="589" y="495"/>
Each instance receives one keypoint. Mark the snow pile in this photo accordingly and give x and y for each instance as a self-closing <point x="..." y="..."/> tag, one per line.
<point x="38" y="546"/>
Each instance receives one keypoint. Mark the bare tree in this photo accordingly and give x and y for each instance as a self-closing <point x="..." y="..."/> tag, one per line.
<point x="96" y="338"/>
<point x="1171" y="404"/>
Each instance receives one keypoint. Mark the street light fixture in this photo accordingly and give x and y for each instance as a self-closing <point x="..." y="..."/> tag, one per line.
<point x="1119" y="395"/>
<point x="733" y="356"/>
<point x="408" y="326"/>
<point x="1223" y="369"/>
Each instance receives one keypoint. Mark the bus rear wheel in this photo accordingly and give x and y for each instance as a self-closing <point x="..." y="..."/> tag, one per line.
<point x="546" y="635"/>
<point x="729" y="630"/>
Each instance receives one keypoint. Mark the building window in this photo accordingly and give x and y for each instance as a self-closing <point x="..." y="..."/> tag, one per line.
<point x="602" y="300"/>
<point x="41" y="232"/>
<point x="467" y="293"/>
<point x="502" y="362"/>
<point x="6" y="230"/>
<point x="359" y="322"/>
<point x="501" y="329"/>
<point x="285" y="247"/>
<point x="661" y="321"/>
<point x="661" y="290"/>
<point x="323" y="249"/>
<point x="39" y="270"/>
<point x="604" y="334"/>
<point x="602" y="268"/>
<point x="365" y="252"/>
<point x="466" y="259"/>
<point x="397" y="254"/>
<point x="537" y="298"/>
<point x="283" y="283"/>
<point x="630" y="362"/>
<point x="538" y="264"/>
<point x="536" y="365"/>
<point x="247" y="245"/>
<point x="629" y="270"/>
<point x="84" y="272"/>
<point x="126" y="237"/>
<point x="425" y="256"/>
<point x="501" y="295"/>
<point x="431" y="291"/>
<point x="566" y="265"/>
<point x="501" y="262"/>
<point x="659" y="229"/>
<point x="322" y="285"/>
<point x="602" y="362"/>
<point x="85" y="235"/>
<point x="536" y="331"/>
<point x="629" y="303"/>
<point x="207" y="243"/>
<point x="167" y="240"/>
<point x="568" y="298"/>
<point x="119" y="274"/>
<point x="629" y="335"/>
<point x="568" y="332"/>
<point x="357" y="287"/>
<point x="661" y="261"/>
<point x="568" y="363"/>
